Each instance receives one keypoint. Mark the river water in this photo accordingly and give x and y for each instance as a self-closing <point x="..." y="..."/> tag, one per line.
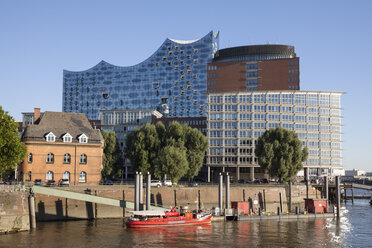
<point x="353" y="229"/>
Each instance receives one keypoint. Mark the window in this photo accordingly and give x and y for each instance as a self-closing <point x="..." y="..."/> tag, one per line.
<point x="49" y="176"/>
<point x="67" y="138"/>
<point x="66" y="158"/>
<point x="83" y="138"/>
<point x="50" y="137"/>
<point x="29" y="158"/>
<point x="83" y="159"/>
<point x="50" y="158"/>
<point x="66" y="175"/>
<point x="82" y="177"/>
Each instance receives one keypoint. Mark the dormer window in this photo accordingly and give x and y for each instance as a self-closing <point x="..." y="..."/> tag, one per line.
<point x="67" y="138"/>
<point x="50" y="137"/>
<point x="83" y="138"/>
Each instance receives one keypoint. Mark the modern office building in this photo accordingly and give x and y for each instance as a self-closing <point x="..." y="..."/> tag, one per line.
<point x="254" y="68"/>
<point x="62" y="146"/>
<point x="236" y="120"/>
<point x="175" y="76"/>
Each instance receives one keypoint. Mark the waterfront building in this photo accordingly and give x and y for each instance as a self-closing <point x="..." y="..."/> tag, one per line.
<point x="62" y="146"/>
<point x="254" y="68"/>
<point x="175" y="76"/>
<point x="236" y="120"/>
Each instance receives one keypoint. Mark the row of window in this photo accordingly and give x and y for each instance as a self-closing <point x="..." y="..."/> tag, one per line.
<point x="66" y="158"/>
<point x="66" y="175"/>
<point x="67" y="138"/>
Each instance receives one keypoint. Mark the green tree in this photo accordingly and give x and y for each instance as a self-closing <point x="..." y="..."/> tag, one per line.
<point x="12" y="150"/>
<point x="196" y="145"/>
<point x="175" y="151"/>
<point x="280" y="152"/>
<point x="112" y="159"/>
<point x="142" y="147"/>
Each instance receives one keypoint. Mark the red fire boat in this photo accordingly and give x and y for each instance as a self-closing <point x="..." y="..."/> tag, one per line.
<point x="159" y="218"/>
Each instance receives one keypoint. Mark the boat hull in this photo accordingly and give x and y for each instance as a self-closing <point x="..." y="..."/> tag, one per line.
<point x="169" y="222"/>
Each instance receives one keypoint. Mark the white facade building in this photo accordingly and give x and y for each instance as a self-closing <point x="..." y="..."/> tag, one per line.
<point x="236" y="120"/>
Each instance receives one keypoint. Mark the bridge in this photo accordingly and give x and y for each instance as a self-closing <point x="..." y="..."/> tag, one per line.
<point x="86" y="197"/>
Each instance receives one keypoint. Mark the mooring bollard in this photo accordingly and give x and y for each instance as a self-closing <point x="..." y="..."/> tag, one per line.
<point x="148" y="191"/>
<point x="31" y="204"/>
<point x="136" y="193"/>
<point x="259" y="211"/>
<point x="220" y="192"/>
<point x="227" y="191"/>
<point x="140" y="191"/>
<point x="278" y="210"/>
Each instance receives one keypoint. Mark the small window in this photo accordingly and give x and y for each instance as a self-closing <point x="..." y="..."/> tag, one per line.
<point x="67" y="158"/>
<point x="83" y="159"/>
<point x="176" y="47"/>
<point x="195" y="50"/>
<point x="169" y="63"/>
<point x="105" y="95"/>
<point x="49" y="176"/>
<point x="175" y="57"/>
<point x="182" y="52"/>
<point x="29" y="158"/>
<point x="195" y="61"/>
<point x="66" y="175"/>
<point x="170" y="53"/>
<point x="50" y="158"/>
<point x="82" y="177"/>
<point x="50" y="137"/>
<point x="169" y="48"/>
<point x="157" y="63"/>
<point x="164" y="58"/>
<point x="83" y="138"/>
<point x="67" y="138"/>
<point x="182" y="62"/>
<point x="188" y="56"/>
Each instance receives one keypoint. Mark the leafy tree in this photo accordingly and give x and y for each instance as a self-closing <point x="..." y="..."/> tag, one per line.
<point x="196" y="145"/>
<point x="112" y="159"/>
<point x="175" y="151"/>
<point x="280" y="152"/>
<point x="12" y="150"/>
<point x="171" y="161"/>
<point x="143" y="147"/>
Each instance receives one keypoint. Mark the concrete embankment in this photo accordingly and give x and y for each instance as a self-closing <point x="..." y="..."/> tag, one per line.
<point x="260" y="196"/>
<point x="14" y="214"/>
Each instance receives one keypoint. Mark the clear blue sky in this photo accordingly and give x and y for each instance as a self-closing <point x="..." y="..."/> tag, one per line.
<point x="38" y="39"/>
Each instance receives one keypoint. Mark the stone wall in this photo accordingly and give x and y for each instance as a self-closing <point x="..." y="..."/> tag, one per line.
<point x="13" y="209"/>
<point x="260" y="196"/>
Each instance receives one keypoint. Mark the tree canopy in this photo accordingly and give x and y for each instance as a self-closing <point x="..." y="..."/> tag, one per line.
<point x="176" y="151"/>
<point x="112" y="159"/>
<point x="12" y="150"/>
<point x="280" y="152"/>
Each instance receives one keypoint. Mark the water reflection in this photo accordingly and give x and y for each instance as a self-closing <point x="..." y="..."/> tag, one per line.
<point x="352" y="229"/>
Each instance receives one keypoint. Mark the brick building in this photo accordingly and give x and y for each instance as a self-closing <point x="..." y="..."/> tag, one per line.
<point x="62" y="145"/>
<point x="254" y="68"/>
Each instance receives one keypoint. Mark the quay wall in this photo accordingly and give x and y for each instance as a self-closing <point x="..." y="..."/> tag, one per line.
<point x="50" y="208"/>
<point x="13" y="209"/>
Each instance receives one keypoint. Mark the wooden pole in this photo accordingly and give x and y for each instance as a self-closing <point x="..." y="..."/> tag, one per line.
<point x="220" y="192"/>
<point x="227" y="191"/>
<point x="338" y="196"/>
<point x="148" y="191"/>
<point x="140" y="191"/>
<point x="31" y="204"/>
<point x="290" y="196"/>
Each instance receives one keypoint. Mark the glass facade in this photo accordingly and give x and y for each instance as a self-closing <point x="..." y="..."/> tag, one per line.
<point x="236" y="120"/>
<point x="176" y="75"/>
